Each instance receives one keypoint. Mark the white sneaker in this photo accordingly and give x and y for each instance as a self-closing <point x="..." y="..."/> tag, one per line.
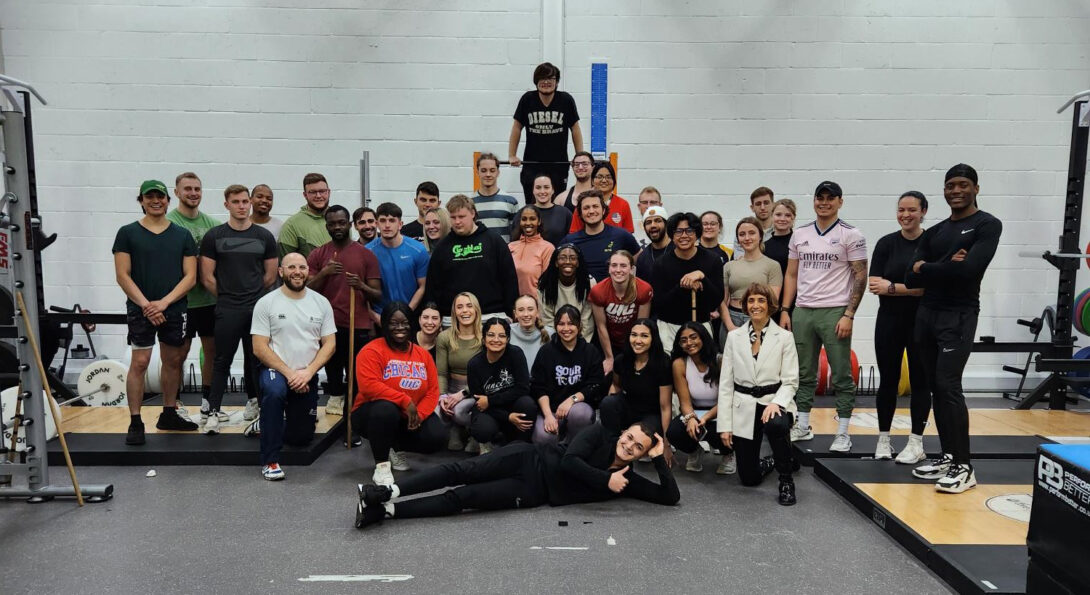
<point x="383" y="475"/>
<point x="398" y="461"/>
<point x="222" y="416"/>
<point x="695" y="462"/>
<point x="253" y="429"/>
<point x="251" y="411"/>
<point x="486" y="447"/>
<point x="212" y="425"/>
<point x="959" y="478"/>
<point x="184" y="413"/>
<point x="884" y="450"/>
<point x="842" y="443"/>
<point x="935" y="468"/>
<point x="800" y="434"/>
<point x="272" y="472"/>
<point x="913" y="452"/>
<point x="472" y="446"/>
<point x="335" y="405"/>
<point x="455" y="441"/>
<point x="727" y="466"/>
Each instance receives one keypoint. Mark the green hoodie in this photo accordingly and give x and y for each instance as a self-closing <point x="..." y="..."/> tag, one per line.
<point x="303" y="232"/>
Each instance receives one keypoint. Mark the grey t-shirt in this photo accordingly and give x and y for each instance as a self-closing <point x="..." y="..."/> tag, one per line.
<point x="295" y="327"/>
<point x="739" y="274"/>
<point x="240" y="263"/>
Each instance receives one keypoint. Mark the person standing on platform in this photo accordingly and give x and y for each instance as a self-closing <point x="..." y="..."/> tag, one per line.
<point x="471" y="259"/>
<point x="427" y="198"/>
<point x="495" y="211"/>
<point x="335" y="269"/>
<point x="617" y="212"/>
<point x="238" y="264"/>
<point x="293" y="334"/>
<point x="261" y="200"/>
<point x="648" y="197"/>
<point x="893" y="328"/>
<point x="826" y="279"/>
<point x="581" y="166"/>
<point x="555" y="219"/>
<point x="547" y="115"/>
<point x="305" y="230"/>
<point x="402" y="261"/>
<point x="366" y="223"/>
<point x="200" y="318"/>
<point x="155" y="262"/>
<point x="949" y="264"/>
<point x="597" y="241"/>
<point x="682" y="272"/>
<point x="654" y="227"/>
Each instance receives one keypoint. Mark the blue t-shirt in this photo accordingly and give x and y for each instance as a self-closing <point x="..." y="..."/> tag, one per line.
<point x="400" y="268"/>
<point x="597" y="249"/>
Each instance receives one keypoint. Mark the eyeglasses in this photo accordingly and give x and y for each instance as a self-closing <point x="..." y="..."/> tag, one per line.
<point x="581" y="164"/>
<point x="684" y="231"/>
<point x="604" y="177"/>
<point x="318" y="192"/>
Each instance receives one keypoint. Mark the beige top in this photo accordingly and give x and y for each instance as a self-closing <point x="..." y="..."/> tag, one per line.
<point x="739" y="274"/>
<point x="565" y="294"/>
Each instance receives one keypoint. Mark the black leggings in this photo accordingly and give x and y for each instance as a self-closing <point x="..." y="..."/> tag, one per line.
<point x="509" y="477"/>
<point x="679" y="436"/>
<point x="232" y="326"/>
<point x="748" y="452"/>
<point x="893" y="334"/>
<point x="617" y="414"/>
<point x="945" y="340"/>
<point x="382" y="424"/>
<point x="492" y="425"/>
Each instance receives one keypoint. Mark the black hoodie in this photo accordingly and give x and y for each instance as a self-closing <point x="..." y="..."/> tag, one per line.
<point x="560" y="373"/>
<point x="479" y="263"/>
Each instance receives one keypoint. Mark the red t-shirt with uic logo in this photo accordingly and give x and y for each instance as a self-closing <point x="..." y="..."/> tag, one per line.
<point x="619" y="316"/>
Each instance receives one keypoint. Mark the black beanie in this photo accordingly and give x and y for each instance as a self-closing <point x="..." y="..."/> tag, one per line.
<point x="961" y="171"/>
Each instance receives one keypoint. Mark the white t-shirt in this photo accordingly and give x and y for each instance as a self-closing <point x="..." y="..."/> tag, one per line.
<point x="273" y="225"/>
<point x="295" y="327"/>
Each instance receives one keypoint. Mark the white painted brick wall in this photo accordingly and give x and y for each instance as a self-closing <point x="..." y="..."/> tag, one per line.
<point x="708" y="99"/>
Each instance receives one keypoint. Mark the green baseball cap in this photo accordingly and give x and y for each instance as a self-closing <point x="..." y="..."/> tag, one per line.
<point x="156" y="185"/>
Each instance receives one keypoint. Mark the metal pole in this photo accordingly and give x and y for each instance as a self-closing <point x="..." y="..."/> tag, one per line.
<point x="365" y="179"/>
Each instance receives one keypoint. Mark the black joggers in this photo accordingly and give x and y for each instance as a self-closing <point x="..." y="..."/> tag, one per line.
<point x="945" y="341"/>
<point x="232" y="326"/>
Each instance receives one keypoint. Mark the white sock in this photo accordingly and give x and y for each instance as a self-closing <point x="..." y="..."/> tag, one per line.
<point x="389" y="506"/>
<point x="394" y="491"/>
<point x="804" y="419"/>
<point x="883" y="436"/>
<point x="842" y="426"/>
<point x="915" y="438"/>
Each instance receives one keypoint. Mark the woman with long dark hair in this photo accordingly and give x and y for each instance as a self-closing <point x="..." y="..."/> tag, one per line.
<point x="499" y="383"/>
<point x="695" y="372"/>
<point x="566" y="380"/>
<point x="618" y="213"/>
<point x="567" y="282"/>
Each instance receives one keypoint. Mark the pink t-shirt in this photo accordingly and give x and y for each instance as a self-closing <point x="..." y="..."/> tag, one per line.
<point x="825" y="272"/>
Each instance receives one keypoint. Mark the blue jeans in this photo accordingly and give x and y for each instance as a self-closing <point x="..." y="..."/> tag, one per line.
<point x="287" y="417"/>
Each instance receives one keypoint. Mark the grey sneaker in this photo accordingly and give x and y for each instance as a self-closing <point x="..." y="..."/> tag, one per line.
<point x="472" y="446"/>
<point x="251" y="411"/>
<point x="695" y="462"/>
<point x="913" y="452"/>
<point x="486" y="447"/>
<point x="727" y="466"/>
<point x="335" y="405"/>
<point x="884" y="450"/>
<point x="398" y="461"/>
<point x="842" y="443"/>
<point x="801" y="434"/>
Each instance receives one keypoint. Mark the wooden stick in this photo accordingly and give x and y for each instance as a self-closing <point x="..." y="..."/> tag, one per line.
<point x="48" y="398"/>
<point x="350" y="396"/>
<point x="694" y="305"/>
<point x="17" y="423"/>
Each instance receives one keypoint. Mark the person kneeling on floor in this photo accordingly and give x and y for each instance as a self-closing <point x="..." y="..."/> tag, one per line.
<point x="294" y="335"/>
<point x="398" y="392"/>
<point x="595" y="467"/>
<point x="760" y="374"/>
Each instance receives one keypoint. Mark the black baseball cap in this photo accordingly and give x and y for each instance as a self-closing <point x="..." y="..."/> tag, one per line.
<point x="830" y="188"/>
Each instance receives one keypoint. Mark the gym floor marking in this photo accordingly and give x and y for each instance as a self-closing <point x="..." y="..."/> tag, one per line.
<point x="581" y="548"/>
<point x="355" y="578"/>
<point x="952" y="519"/>
<point x="115" y="420"/>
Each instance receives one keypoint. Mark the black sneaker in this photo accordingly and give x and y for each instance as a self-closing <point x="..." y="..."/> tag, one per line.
<point x="357" y="441"/>
<point x="787" y="492"/>
<point x="369" y="514"/>
<point x="170" y="420"/>
<point x="766" y="465"/>
<point x="135" y="436"/>
<point x="375" y="495"/>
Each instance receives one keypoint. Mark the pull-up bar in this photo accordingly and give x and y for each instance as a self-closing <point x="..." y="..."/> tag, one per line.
<point x="477" y="179"/>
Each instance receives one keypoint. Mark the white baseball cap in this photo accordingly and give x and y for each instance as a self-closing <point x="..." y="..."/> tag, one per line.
<point x="655" y="211"/>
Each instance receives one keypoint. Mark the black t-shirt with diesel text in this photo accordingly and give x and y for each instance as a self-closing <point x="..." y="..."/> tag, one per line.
<point x="546" y="126"/>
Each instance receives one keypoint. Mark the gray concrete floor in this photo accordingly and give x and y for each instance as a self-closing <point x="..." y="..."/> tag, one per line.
<point x="224" y="529"/>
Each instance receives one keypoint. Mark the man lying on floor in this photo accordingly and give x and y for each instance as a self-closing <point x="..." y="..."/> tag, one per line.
<point x="596" y="466"/>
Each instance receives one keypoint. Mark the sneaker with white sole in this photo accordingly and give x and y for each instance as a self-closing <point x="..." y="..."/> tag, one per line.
<point x="884" y="450"/>
<point x="913" y="452"/>
<point x="398" y="461"/>
<point x="383" y="474"/>
<point x="183" y="412"/>
<point x="253" y="429"/>
<point x="935" y="468"/>
<point x="695" y="462"/>
<point x="222" y="416"/>
<point x="727" y="466"/>
<point x="251" y="411"/>
<point x="212" y="425"/>
<point x="272" y="472"/>
<point x="959" y="478"/>
<point x="335" y="405"/>
<point x="486" y="447"/>
<point x="472" y="446"/>
<point x="842" y="443"/>
<point x="801" y="434"/>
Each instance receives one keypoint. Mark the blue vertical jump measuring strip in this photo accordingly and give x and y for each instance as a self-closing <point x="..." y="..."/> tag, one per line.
<point x="599" y="113"/>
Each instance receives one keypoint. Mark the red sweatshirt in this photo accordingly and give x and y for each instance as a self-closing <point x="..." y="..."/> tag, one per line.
<point x="382" y="373"/>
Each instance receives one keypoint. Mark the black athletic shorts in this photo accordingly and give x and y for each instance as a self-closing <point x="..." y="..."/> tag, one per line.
<point x="142" y="332"/>
<point x="201" y="321"/>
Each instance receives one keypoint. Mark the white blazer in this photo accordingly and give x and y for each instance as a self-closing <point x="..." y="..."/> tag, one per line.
<point x="778" y="361"/>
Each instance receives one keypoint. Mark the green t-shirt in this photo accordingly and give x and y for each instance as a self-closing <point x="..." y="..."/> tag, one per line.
<point x="302" y="232"/>
<point x="156" y="259"/>
<point x="198" y="297"/>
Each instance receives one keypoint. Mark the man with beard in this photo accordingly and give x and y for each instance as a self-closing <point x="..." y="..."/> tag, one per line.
<point x="654" y="225"/>
<point x="649" y="197"/>
<point x="597" y="241"/>
<point x="337" y="268"/>
<point x="581" y="167"/>
<point x="366" y="223"/>
<point x="305" y="230"/>
<point x="681" y="271"/>
<point x="293" y="335"/>
<point x="547" y="115"/>
<point x="261" y="201"/>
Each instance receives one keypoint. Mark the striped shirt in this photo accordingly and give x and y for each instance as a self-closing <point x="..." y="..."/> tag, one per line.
<point x="496" y="212"/>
